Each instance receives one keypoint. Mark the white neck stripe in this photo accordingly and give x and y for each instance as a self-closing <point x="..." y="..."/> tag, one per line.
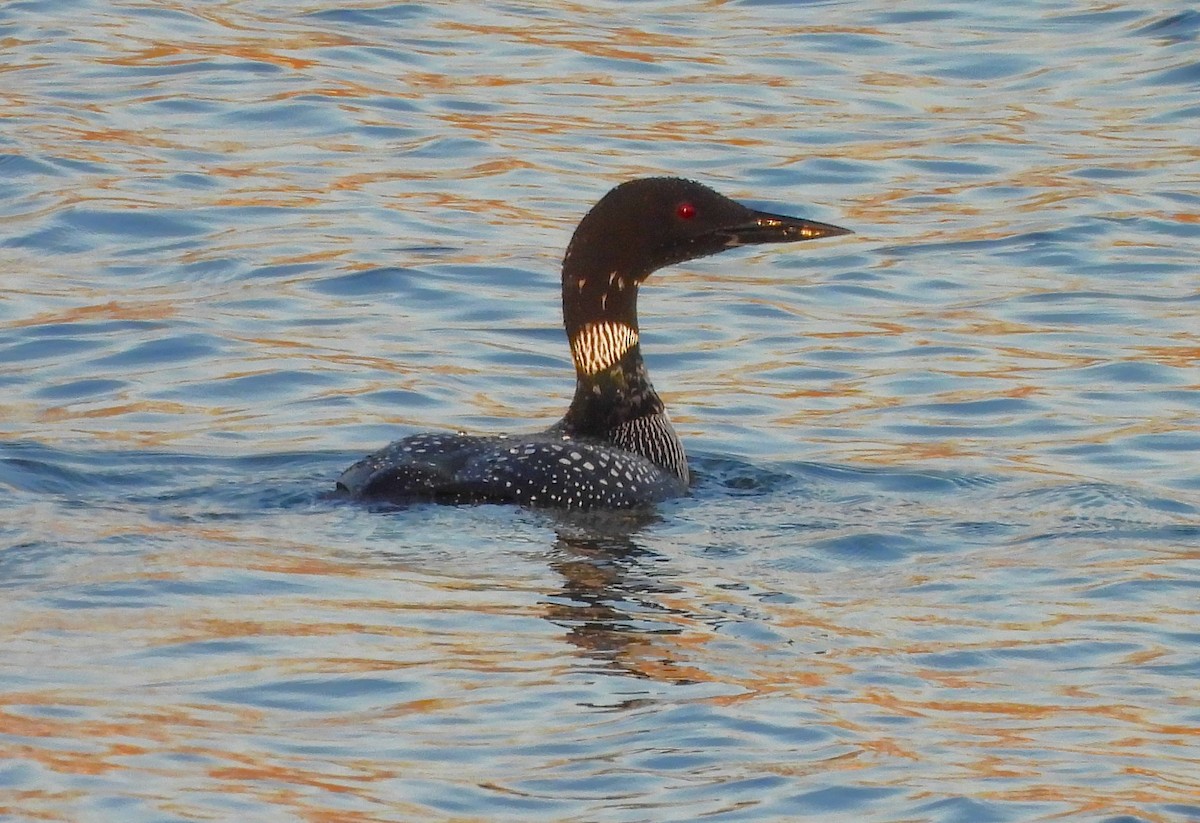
<point x="600" y="346"/>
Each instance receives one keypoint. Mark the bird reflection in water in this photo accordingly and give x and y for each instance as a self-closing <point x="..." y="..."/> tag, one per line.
<point x="615" y="594"/>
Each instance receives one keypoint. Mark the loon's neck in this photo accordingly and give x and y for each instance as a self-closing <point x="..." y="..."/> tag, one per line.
<point x="611" y="398"/>
<point x="614" y="401"/>
<point x="611" y="383"/>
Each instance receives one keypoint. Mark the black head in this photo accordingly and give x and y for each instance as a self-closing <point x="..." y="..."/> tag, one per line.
<point x="653" y="222"/>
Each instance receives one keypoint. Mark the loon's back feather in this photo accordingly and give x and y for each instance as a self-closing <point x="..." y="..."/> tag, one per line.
<point x="547" y="469"/>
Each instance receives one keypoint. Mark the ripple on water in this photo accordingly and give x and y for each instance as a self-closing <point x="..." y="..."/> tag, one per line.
<point x="939" y="561"/>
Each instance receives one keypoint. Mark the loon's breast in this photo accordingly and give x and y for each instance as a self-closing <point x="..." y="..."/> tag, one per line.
<point x="546" y="469"/>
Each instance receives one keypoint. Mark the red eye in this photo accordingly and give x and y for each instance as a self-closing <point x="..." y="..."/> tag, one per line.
<point x="686" y="211"/>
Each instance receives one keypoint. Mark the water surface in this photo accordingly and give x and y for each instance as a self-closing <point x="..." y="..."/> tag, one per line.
<point x="940" y="563"/>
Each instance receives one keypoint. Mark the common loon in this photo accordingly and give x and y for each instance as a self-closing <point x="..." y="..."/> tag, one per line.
<point x="615" y="447"/>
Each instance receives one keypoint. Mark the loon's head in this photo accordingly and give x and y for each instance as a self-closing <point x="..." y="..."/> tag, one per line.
<point x="645" y="224"/>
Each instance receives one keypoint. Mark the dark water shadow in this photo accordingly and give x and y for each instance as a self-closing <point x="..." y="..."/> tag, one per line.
<point x="224" y="486"/>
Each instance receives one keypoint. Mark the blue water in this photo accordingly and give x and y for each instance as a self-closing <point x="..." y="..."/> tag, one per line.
<point x="940" y="562"/>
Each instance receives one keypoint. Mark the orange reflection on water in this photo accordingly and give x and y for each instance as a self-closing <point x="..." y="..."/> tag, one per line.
<point x="108" y="310"/>
<point x="193" y="51"/>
